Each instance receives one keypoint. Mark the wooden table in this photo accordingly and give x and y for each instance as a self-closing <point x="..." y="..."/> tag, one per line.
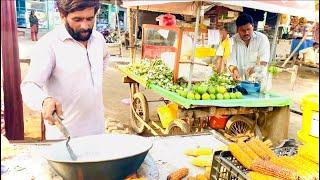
<point x="166" y="156"/>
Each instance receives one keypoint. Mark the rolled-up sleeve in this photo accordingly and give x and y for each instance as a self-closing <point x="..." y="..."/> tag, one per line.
<point x="41" y="66"/>
<point x="264" y="50"/>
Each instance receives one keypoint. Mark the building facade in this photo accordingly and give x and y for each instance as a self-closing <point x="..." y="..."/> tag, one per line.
<point x="49" y="17"/>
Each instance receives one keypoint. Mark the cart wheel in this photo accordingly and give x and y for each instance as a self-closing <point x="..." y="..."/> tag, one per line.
<point x="134" y="88"/>
<point x="178" y="127"/>
<point x="239" y="125"/>
<point x="140" y="108"/>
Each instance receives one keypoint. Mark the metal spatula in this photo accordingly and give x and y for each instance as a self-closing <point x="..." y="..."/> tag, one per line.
<point x="65" y="132"/>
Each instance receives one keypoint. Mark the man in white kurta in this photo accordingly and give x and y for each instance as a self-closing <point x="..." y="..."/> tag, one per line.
<point x="250" y="49"/>
<point x="66" y="74"/>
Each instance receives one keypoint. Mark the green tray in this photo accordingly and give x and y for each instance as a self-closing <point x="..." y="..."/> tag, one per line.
<point x="252" y="100"/>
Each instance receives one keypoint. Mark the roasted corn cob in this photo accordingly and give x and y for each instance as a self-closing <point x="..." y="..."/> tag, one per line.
<point x="310" y="152"/>
<point x="240" y="155"/>
<point x="178" y="174"/>
<point x="258" y="150"/>
<point x="198" y="151"/>
<point x="201" y="177"/>
<point x="248" y="150"/>
<point x="285" y="162"/>
<point x="268" y="168"/>
<point x="265" y="148"/>
<point x="202" y="161"/>
<point x="258" y="176"/>
<point x="308" y="164"/>
<point x="303" y="171"/>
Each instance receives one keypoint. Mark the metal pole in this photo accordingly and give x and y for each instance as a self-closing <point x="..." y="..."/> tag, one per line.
<point x="13" y="105"/>
<point x="196" y="31"/>
<point x="118" y="24"/>
<point x="136" y="34"/>
<point x="275" y="38"/>
<point x="130" y="25"/>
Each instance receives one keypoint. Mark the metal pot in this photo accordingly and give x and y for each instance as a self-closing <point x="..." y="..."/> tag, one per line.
<point x="106" y="156"/>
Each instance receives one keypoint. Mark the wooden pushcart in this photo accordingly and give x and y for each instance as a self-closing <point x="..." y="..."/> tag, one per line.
<point x="269" y="112"/>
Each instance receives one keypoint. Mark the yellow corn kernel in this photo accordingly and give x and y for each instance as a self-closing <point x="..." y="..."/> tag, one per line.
<point x="202" y="161"/>
<point x="258" y="176"/>
<point x="285" y="162"/>
<point x="201" y="177"/>
<point x="248" y="150"/>
<point x="198" y="151"/>
<point x="310" y="152"/>
<point x="240" y="155"/>
<point x="259" y="151"/>
<point x="268" y="168"/>
<point x="190" y="152"/>
<point x="265" y="148"/>
<point x="178" y="174"/>
<point x="203" y="151"/>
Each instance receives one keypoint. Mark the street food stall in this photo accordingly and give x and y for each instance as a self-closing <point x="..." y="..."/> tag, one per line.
<point x="243" y="158"/>
<point x="201" y="155"/>
<point x="266" y="115"/>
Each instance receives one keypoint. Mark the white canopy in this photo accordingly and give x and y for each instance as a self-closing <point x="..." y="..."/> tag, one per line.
<point x="300" y="8"/>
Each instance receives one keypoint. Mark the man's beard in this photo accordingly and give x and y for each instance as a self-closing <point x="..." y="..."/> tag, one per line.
<point x="77" y="34"/>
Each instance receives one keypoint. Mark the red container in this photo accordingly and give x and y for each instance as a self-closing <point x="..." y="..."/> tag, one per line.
<point x="218" y="122"/>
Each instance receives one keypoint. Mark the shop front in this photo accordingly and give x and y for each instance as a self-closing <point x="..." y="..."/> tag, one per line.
<point x="45" y="10"/>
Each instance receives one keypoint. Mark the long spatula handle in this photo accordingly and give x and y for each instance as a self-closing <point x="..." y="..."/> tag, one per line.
<point x="60" y="126"/>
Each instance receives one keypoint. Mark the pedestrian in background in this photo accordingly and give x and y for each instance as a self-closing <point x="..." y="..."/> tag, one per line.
<point x="224" y="49"/>
<point x="34" y="24"/>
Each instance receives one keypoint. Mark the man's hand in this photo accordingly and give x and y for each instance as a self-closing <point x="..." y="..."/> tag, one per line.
<point x="220" y="64"/>
<point x="236" y="75"/>
<point x="50" y="105"/>
<point x="250" y="71"/>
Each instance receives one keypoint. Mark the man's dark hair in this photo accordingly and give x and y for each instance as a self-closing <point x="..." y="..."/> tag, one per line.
<point x="315" y="43"/>
<point x="68" y="6"/>
<point x="244" y="19"/>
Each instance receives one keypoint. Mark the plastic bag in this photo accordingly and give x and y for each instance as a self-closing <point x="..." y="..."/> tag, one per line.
<point x="166" y="20"/>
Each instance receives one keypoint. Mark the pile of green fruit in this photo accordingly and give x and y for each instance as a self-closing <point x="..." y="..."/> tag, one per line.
<point x="215" y="88"/>
<point x="204" y="91"/>
<point x="141" y="68"/>
<point x="222" y="79"/>
<point x="156" y="72"/>
<point x="159" y="74"/>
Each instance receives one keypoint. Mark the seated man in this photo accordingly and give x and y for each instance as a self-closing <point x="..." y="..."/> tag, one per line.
<point x="311" y="54"/>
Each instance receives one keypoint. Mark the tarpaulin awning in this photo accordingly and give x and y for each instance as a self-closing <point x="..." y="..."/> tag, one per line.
<point x="290" y="7"/>
<point x="183" y="7"/>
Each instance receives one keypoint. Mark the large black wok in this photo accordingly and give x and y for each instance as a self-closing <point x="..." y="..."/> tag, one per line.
<point x="106" y="156"/>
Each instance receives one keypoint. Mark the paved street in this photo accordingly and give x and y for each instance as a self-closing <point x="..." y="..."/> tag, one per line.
<point x="115" y="92"/>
